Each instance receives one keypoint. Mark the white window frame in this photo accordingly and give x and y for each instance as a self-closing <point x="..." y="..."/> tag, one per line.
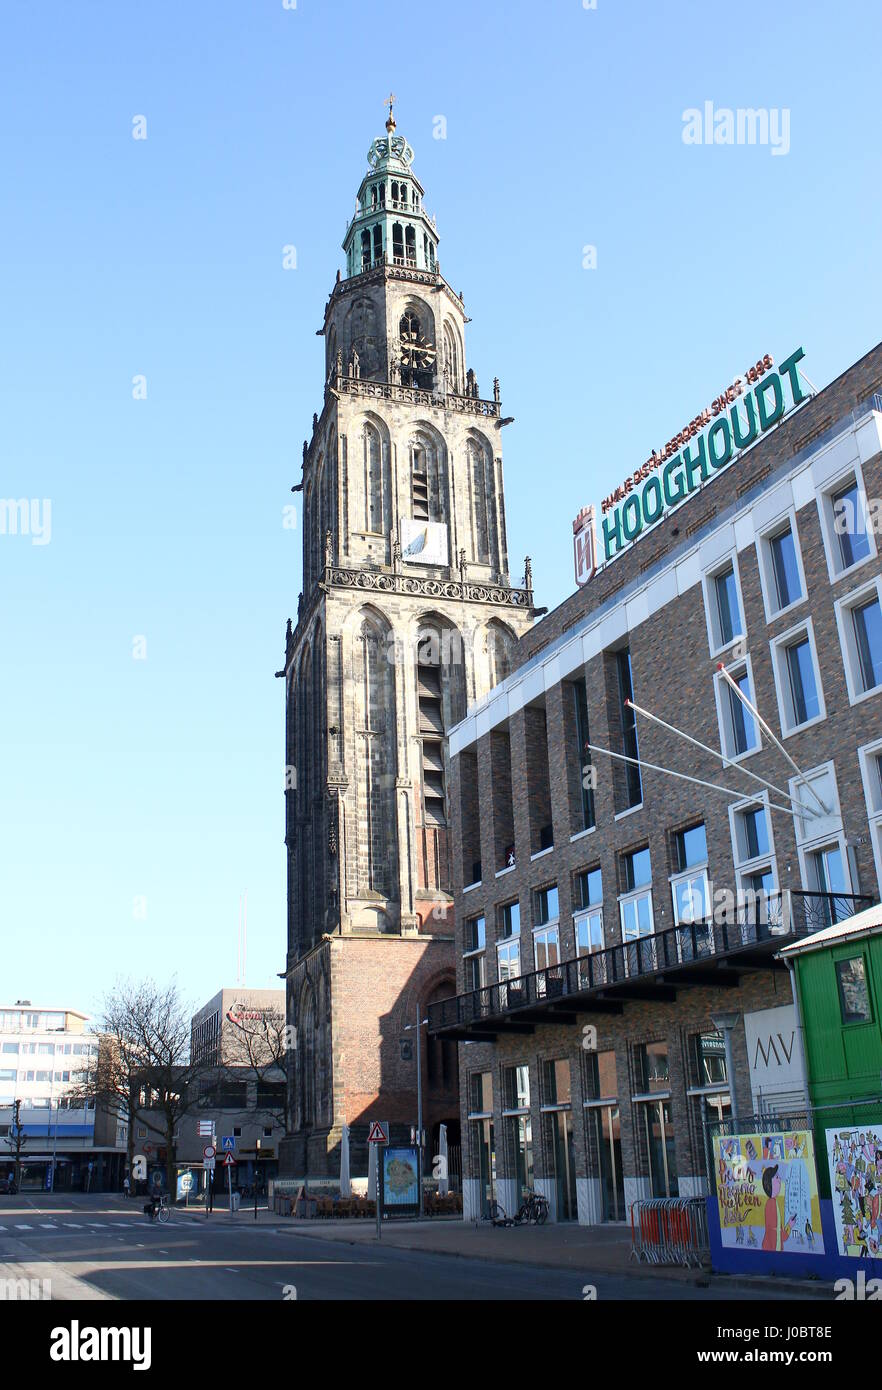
<point x="777" y="647"/>
<point x="768" y="860"/>
<point x="848" y="642"/>
<point x="506" y="943"/>
<point x="624" y="899"/>
<point x="696" y="871"/>
<point x="542" y="930"/>
<point x="767" y="568"/>
<point x="584" y="915"/>
<point x="722" y="692"/>
<point x="873" y="797"/>
<point x="711" y="608"/>
<point x="825" y="512"/>
<point x="807" y="852"/>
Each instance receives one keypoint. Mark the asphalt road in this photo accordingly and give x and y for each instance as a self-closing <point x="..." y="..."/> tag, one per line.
<point x="88" y="1253"/>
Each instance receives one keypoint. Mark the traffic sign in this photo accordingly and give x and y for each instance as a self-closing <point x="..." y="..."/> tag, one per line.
<point x="378" y="1135"/>
<point x="228" y="1143"/>
<point x="208" y="1165"/>
<point x="209" y="1151"/>
<point x="206" y="1128"/>
<point x="229" y="1161"/>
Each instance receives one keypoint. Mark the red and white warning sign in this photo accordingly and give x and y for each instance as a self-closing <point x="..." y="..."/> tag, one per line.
<point x="378" y="1134"/>
<point x="229" y="1161"/>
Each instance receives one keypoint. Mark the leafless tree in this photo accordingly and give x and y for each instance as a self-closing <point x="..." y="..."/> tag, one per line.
<point x="257" y="1044"/>
<point x="16" y="1141"/>
<point x="144" y="1070"/>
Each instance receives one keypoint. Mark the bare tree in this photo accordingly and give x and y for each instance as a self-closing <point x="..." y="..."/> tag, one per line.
<point x="258" y="1043"/>
<point x="144" y="1070"/>
<point x="16" y="1141"/>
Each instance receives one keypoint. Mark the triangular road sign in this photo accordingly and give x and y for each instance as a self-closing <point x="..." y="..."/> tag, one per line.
<point x="229" y="1161"/>
<point x="377" y="1134"/>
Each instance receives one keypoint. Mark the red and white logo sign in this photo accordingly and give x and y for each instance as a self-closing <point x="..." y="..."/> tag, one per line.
<point x="377" y="1134"/>
<point x="585" y="546"/>
<point x="209" y="1151"/>
<point x="229" y="1161"/>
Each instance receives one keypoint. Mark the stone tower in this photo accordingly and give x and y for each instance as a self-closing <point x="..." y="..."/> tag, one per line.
<point x="407" y="615"/>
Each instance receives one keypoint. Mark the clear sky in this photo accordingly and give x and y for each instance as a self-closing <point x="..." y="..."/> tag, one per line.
<point x="162" y="778"/>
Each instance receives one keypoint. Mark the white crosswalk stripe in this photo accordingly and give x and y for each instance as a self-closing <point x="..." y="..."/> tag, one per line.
<point x="21" y="1226"/>
<point x="48" y="1225"/>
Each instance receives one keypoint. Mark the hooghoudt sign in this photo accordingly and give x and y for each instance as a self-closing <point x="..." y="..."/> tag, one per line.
<point x="715" y="437"/>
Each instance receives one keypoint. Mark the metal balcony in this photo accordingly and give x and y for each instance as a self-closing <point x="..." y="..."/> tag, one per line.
<point x="706" y="953"/>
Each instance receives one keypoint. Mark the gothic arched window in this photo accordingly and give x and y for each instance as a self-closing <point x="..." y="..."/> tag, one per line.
<point x="365" y="250"/>
<point x="376" y="482"/>
<point x="410" y="242"/>
<point x="397" y="243"/>
<point x="376" y="757"/>
<point x="480" y="471"/>
<point x="306" y="1040"/>
<point x="378" y="243"/>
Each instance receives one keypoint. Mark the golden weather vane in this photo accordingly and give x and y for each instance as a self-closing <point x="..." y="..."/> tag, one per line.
<point x="390" y="101"/>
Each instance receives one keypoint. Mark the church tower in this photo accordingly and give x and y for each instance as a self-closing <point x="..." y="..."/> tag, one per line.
<point x="407" y="616"/>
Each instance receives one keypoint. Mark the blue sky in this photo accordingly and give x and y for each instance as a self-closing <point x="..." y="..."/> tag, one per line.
<point x="162" y="778"/>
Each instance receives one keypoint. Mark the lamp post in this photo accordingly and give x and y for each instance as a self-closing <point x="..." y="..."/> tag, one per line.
<point x="420" y="1023"/>
<point x="724" y="1023"/>
<point x="256" y="1157"/>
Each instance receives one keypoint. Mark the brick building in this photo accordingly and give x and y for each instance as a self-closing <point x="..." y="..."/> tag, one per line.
<point x="618" y="990"/>
<point x="407" y="614"/>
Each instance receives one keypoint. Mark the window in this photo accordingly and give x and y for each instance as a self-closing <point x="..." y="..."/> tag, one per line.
<point x="849" y="525"/>
<point x="583" y="752"/>
<point x="508" y="947"/>
<point x="797" y="679"/>
<point x="848" y="541"/>
<point x="516" y="1087"/>
<point x="871" y="772"/>
<point x="689" y="885"/>
<point x="588" y="917"/>
<point x="723" y="604"/>
<point x="738" y="730"/>
<point x="473" y="956"/>
<point x="780" y="566"/>
<point x="788" y="587"/>
<point x="545" y="904"/>
<point x="654" y="1119"/>
<point x="827" y="868"/>
<point x="854" y="998"/>
<point x="480" y="1093"/>
<point x="709" y="1059"/>
<point x="635" y="904"/>
<point x="752" y="853"/>
<point x="630" y="747"/>
<point x="859" y="619"/>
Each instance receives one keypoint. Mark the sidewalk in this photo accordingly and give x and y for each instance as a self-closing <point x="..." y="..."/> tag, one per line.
<point x="592" y="1250"/>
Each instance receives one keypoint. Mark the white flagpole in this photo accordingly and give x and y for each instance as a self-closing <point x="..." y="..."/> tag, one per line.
<point x="685" y="777"/>
<point x="777" y="742"/>
<point x="727" y="762"/>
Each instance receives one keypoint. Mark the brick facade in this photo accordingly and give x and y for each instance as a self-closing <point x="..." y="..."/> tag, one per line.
<point x="652" y="600"/>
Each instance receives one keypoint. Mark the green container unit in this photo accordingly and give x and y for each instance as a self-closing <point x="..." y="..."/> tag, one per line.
<point x="839" y="981"/>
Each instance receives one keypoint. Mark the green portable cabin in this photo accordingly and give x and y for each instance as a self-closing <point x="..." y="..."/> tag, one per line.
<point x="838" y="985"/>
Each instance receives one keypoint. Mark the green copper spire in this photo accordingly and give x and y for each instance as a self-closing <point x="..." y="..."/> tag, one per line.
<point x="390" y="226"/>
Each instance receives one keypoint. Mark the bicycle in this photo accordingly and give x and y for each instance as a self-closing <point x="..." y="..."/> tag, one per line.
<point x="533" y="1211"/>
<point x="158" y="1210"/>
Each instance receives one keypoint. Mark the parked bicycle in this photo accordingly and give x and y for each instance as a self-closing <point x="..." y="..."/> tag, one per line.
<point x="533" y="1211"/>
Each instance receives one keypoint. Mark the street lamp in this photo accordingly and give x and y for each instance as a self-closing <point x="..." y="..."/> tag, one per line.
<point x="408" y="1027"/>
<point x="724" y="1023"/>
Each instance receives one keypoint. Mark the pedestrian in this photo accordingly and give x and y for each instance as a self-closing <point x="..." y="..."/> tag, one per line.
<point x="127" y="1186"/>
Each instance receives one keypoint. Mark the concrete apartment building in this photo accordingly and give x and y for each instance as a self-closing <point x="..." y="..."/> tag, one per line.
<point x="42" y="1054"/>
<point x="615" y="996"/>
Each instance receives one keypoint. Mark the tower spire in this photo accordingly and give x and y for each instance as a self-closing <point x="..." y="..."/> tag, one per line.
<point x="390" y="123"/>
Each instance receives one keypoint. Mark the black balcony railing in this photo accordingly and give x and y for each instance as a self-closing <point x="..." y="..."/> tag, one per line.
<point x="693" y="953"/>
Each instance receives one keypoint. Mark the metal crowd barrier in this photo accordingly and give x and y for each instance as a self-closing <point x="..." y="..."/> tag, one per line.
<point x="670" y="1231"/>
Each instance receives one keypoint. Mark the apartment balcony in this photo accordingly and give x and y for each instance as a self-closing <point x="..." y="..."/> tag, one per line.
<point x="707" y="953"/>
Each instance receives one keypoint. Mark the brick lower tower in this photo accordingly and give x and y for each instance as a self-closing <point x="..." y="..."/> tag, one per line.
<point x="407" y="615"/>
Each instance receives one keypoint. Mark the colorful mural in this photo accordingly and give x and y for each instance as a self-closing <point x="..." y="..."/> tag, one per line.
<point x="855" y="1157"/>
<point x="767" y="1189"/>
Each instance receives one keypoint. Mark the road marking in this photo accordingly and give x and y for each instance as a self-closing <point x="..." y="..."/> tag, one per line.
<point x="20" y="1226"/>
<point x="48" y="1226"/>
<point x="74" y="1225"/>
<point x="230" y="1269"/>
